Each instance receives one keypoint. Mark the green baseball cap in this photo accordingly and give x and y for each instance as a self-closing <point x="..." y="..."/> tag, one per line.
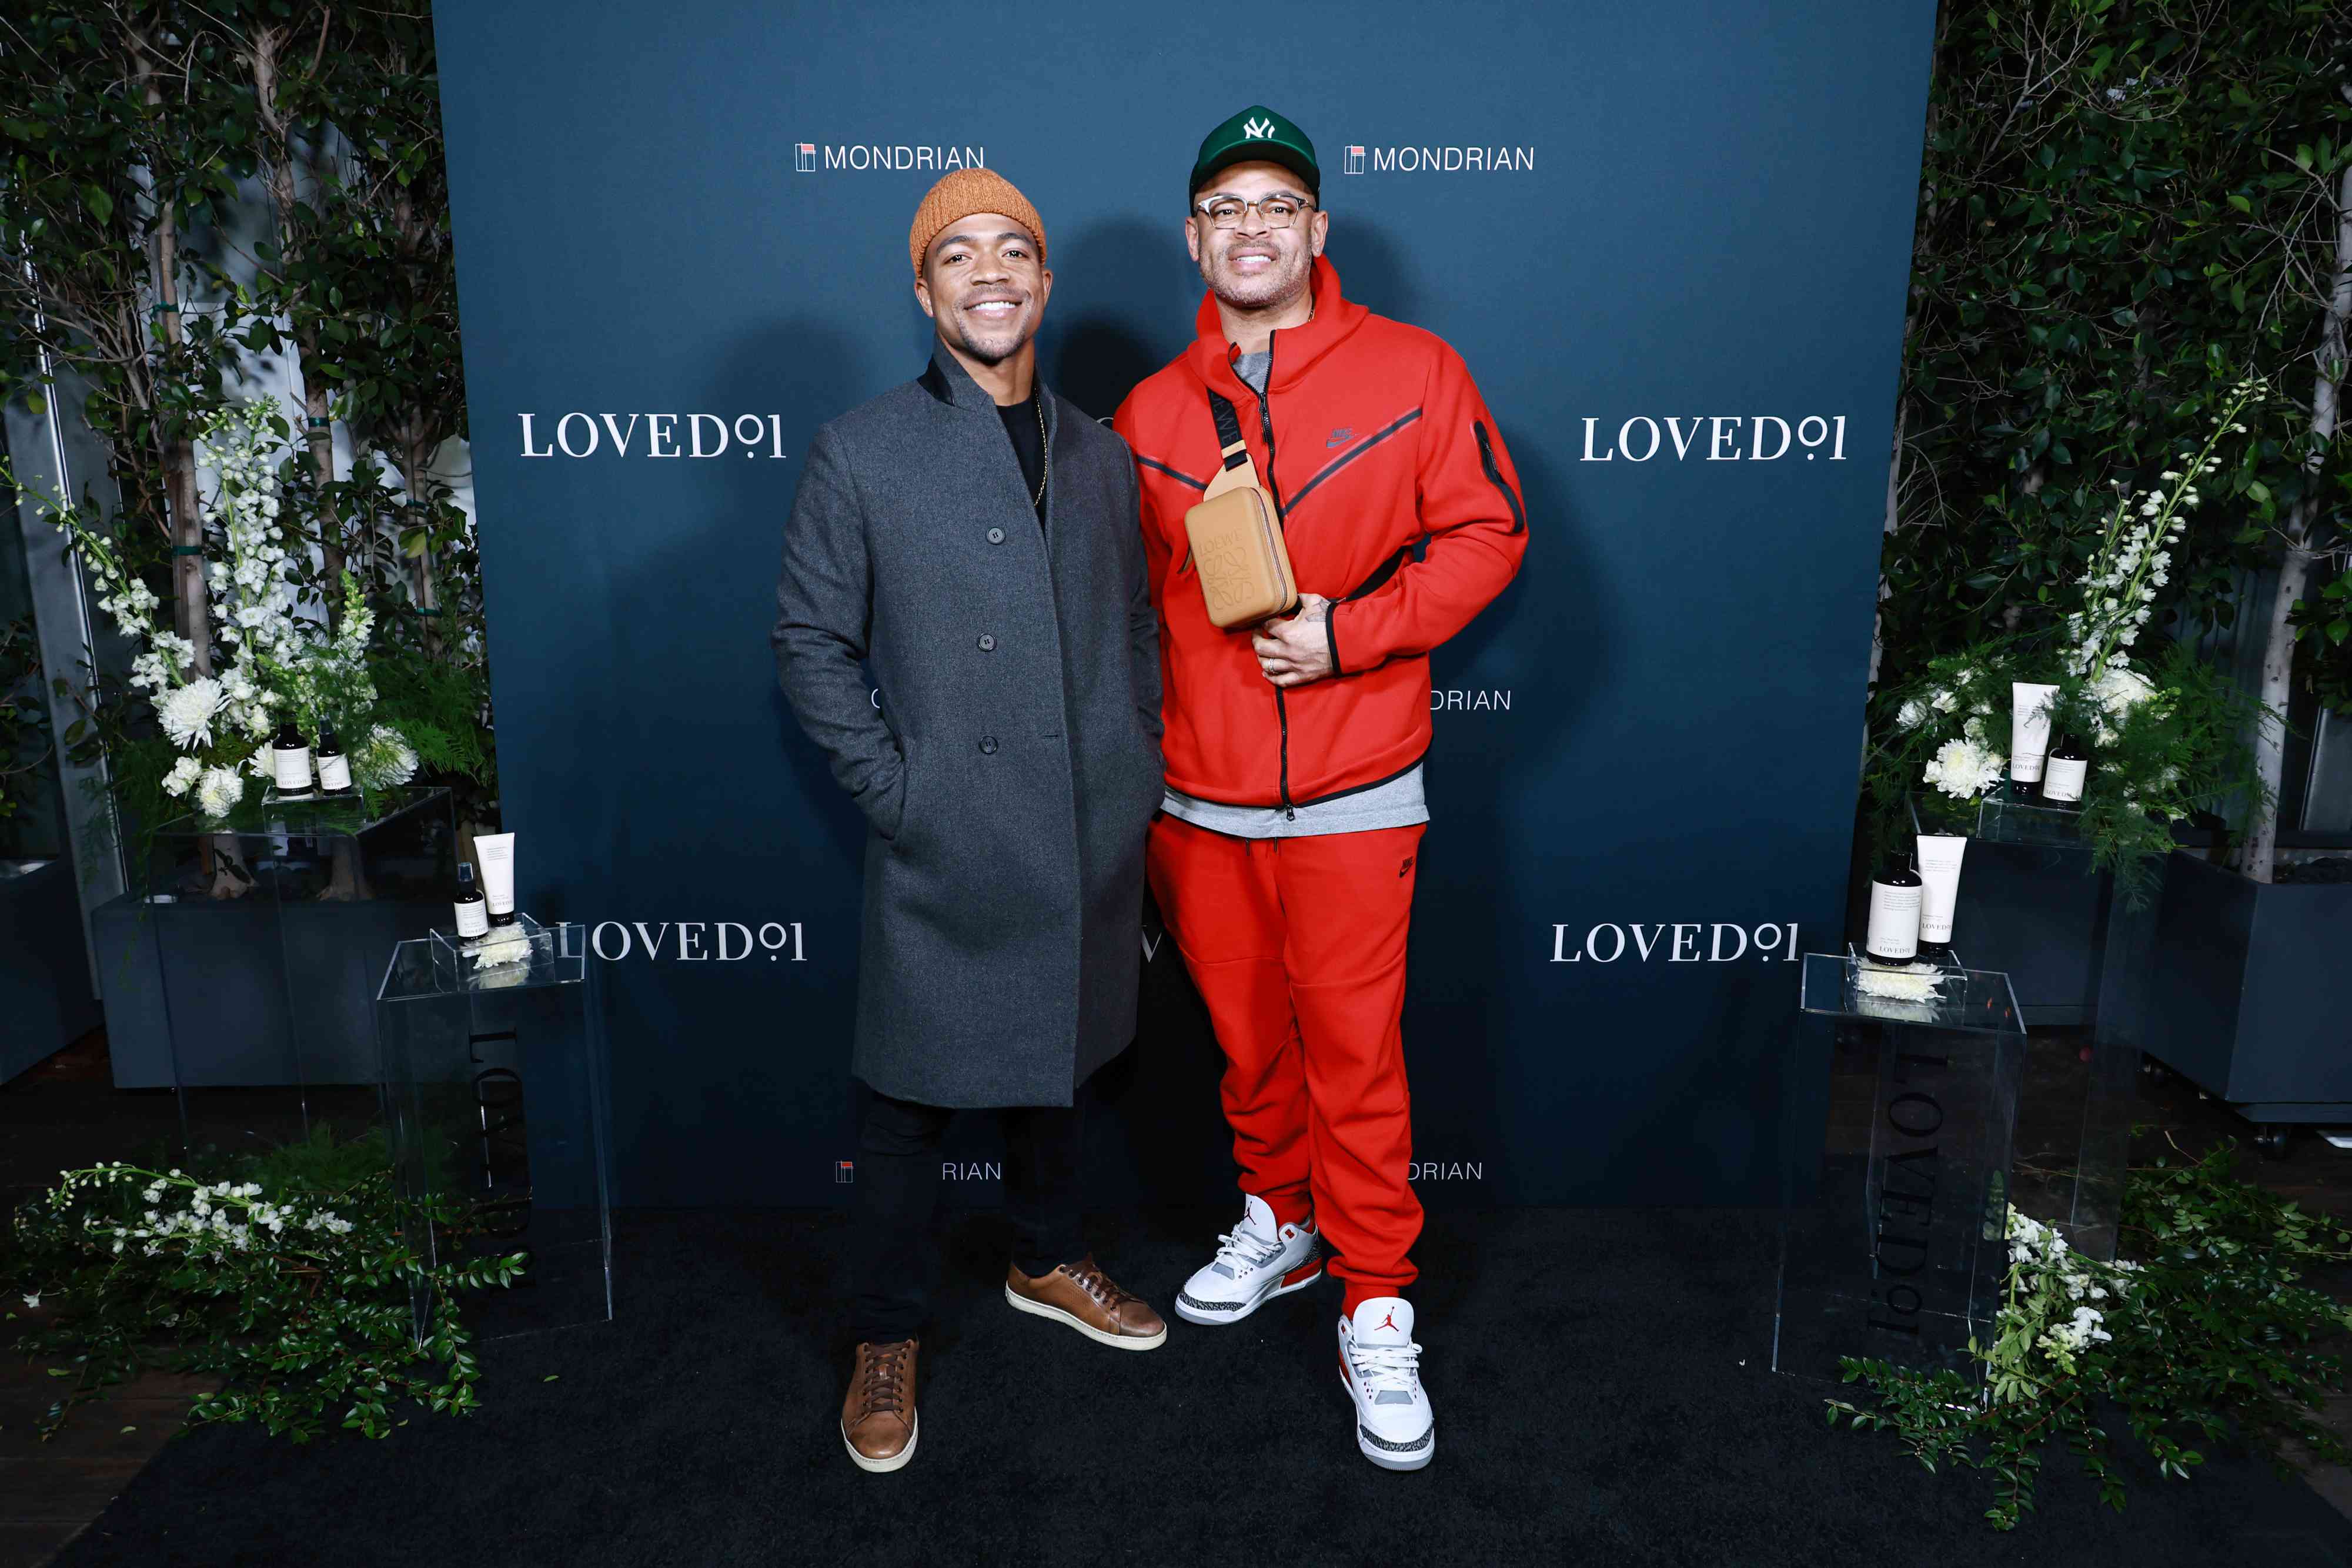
<point x="1256" y="133"/>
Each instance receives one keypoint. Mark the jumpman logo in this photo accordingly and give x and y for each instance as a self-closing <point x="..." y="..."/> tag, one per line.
<point x="1387" y="1323"/>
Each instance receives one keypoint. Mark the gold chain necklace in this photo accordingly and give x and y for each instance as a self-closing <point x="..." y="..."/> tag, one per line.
<point x="1044" y="449"/>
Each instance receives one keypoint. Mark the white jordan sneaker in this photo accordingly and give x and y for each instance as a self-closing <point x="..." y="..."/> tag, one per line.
<point x="1380" y="1365"/>
<point x="1256" y="1261"/>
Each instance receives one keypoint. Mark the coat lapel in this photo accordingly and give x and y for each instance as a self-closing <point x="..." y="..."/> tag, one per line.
<point x="947" y="381"/>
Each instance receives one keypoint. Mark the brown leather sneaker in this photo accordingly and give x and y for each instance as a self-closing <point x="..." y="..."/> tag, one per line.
<point x="1083" y="1296"/>
<point x="878" y="1424"/>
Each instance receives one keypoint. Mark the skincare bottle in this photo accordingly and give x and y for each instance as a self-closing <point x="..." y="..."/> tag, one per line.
<point x="334" y="768"/>
<point x="290" y="763"/>
<point x="1894" y="935"/>
<point x="2070" y="764"/>
<point x="473" y="912"/>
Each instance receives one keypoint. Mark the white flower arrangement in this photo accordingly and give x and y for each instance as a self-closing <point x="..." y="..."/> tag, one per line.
<point x="2048" y="1303"/>
<point x="282" y="663"/>
<point x="1900" y="982"/>
<point x="2134" y="559"/>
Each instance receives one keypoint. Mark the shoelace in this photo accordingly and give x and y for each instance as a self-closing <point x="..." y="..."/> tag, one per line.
<point x="1245" y="1247"/>
<point x="1099" y="1285"/>
<point x="1381" y="1367"/>
<point x="885" y="1377"/>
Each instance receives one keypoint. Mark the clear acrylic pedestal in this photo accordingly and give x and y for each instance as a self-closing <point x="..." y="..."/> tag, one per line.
<point x="241" y="976"/>
<point x="1893" y="1244"/>
<point x="497" y="1091"/>
<point x="2080" y="1189"/>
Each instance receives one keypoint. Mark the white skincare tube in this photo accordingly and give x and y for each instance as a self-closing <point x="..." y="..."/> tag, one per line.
<point x="495" y="851"/>
<point x="2029" y="732"/>
<point x="1939" y="873"/>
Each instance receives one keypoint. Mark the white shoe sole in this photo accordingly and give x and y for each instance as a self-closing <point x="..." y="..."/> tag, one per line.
<point x="895" y="1461"/>
<point x="1373" y="1451"/>
<point x="1055" y="1314"/>
<point x="1215" y="1319"/>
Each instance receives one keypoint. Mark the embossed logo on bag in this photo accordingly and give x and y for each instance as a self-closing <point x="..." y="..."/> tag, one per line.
<point x="1223" y="568"/>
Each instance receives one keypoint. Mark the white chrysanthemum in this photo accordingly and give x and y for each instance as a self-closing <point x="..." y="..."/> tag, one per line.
<point x="2121" y="689"/>
<point x="1942" y="701"/>
<point x="1912" y="715"/>
<point x="219" y="790"/>
<point x="187" y="712"/>
<point x="383" y="760"/>
<point x="1963" y="768"/>
<point x="182" y="777"/>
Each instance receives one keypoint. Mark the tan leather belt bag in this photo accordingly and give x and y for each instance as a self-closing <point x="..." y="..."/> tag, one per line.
<point x="1236" y="537"/>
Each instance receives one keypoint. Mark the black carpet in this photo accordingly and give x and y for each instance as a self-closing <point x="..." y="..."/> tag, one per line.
<point x="1599" y="1376"/>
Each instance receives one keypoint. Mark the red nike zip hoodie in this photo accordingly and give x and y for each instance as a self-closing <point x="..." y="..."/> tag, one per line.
<point x="1397" y="502"/>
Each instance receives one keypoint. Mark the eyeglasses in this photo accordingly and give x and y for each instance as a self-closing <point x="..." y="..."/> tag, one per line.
<point x="1280" y="210"/>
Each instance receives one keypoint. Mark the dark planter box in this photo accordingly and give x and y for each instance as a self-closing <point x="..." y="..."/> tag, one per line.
<point x="45" y="997"/>
<point x="2036" y="914"/>
<point x="259" y="993"/>
<point x="2251" y="995"/>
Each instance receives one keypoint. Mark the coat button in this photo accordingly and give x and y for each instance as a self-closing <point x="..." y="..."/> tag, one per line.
<point x="987" y="644"/>
<point x="988" y="745"/>
<point x="996" y="536"/>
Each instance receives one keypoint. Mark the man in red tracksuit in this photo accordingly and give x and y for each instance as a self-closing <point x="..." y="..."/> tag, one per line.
<point x="1284" y="857"/>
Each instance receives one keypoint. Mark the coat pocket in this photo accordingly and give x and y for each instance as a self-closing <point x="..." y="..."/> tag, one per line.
<point x="908" y="773"/>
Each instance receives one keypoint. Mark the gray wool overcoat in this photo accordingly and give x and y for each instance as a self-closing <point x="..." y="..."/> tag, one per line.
<point x="1007" y="756"/>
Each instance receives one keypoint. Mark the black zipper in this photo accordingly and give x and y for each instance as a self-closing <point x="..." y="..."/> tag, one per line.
<point x="1487" y="461"/>
<point x="1265" y="429"/>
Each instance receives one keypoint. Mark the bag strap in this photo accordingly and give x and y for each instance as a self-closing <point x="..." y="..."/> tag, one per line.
<point x="1237" y="470"/>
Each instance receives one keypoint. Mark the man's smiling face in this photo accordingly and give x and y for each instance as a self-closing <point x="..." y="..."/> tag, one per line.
<point x="1256" y="265"/>
<point x="986" y="285"/>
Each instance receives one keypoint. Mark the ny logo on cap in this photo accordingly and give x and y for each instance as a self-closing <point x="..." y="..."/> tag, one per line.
<point x="1257" y="130"/>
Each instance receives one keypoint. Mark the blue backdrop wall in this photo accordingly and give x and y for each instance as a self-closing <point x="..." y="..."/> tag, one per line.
<point x="1671" y="241"/>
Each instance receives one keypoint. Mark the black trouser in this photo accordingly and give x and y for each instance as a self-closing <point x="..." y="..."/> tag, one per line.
<point x="898" y="1188"/>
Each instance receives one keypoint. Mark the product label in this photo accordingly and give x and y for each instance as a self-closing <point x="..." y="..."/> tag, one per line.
<point x="335" y="772"/>
<point x="2065" y="780"/>
<point x="1893" y="922"/>
<point x="2026" y="768"/>
<point x="473" y="920"/>
<point x="291" y="765"/>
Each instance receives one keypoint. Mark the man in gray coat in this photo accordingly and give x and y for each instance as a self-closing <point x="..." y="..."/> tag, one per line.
<point x="972" y="540"/>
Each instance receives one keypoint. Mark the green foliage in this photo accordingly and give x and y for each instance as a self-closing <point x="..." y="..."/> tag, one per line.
<point x="288" y="1276"/>
<point x="2212" y="1335"/>
<point x="2323" y="621"/>
<point x="131" y="134"/>
<point x="2125" y="208"/>
<point x="25" y="743"/>
<point x="2181" y="752"/>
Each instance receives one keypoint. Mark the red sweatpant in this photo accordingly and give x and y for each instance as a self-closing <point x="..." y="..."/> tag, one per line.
<point x="1297" y="947"/>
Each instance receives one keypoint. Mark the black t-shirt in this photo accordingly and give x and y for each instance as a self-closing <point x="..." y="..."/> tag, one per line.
<point x="1021" y="422"/>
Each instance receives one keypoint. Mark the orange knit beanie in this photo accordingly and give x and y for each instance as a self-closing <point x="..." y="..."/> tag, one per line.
<point x="959" y="194"/>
